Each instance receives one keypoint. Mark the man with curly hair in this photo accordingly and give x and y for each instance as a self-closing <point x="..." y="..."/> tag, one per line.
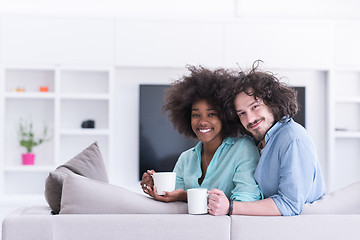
<point x="221" y="161"/>
<point x="288" y="172"/>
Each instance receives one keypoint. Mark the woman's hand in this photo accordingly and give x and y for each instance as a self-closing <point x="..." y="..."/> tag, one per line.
<point x="147" y="181"/>
<point x="218" y="202"/>
<point x="177" y="195"/>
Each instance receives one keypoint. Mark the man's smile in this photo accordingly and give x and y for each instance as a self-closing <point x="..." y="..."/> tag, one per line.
<point x="256" y="124"/>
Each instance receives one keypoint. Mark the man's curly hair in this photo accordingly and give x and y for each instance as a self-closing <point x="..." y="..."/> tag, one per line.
<point x="206" y="84"/>
<point x="280" y="98"/>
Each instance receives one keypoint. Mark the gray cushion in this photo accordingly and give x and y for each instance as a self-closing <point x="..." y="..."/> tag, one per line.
<point x="88" y="163"/>
<point x="342" y="201"/>
<point x="86" y="196"/>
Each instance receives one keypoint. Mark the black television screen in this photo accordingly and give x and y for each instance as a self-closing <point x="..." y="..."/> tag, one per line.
<point x="160" y="144"/>
<point x="300" y="116"/>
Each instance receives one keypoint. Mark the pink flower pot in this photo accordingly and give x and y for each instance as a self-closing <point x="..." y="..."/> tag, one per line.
<point x="28" y="158"/>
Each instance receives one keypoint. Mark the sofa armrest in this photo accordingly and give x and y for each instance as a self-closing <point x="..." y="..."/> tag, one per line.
<point x="28" y="223"/>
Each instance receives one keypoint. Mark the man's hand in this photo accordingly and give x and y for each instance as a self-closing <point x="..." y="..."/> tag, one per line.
<point x="218" y="202"/>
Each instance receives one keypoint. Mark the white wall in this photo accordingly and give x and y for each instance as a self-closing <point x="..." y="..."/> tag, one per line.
<point x="259" y="9"/>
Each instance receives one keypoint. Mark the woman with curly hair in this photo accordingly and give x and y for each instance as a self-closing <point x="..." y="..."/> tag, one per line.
<point x="288" y="173"/>
<point x="221" y="161"/>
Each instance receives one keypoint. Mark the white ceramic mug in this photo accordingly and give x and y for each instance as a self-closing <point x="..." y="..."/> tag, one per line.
<point x="164" y="182"/>
<point x="197" y="199"/>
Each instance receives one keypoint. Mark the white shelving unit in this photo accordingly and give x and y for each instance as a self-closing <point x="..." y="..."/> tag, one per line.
<point x="344" y="126"/>
<point x="75" y="94"/>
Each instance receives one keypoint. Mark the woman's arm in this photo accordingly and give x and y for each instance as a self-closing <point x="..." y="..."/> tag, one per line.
<point x="148" y="187"/>
<point x="177" y="195"/>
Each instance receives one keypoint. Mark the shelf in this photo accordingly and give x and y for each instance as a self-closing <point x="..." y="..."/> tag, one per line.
<point x="85" y="132"/>
<point x="348" y="68"/>
<point x="28" y="168"/>
<point x="83" y="96"/>
<point x="347" y="134"/>
<point x="29" y="95"/>
<point x="347" y="100"/>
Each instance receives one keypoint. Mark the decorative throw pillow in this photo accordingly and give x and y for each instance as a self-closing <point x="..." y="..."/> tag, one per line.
<point x="342" y="201"/>
<point x="88" y="163"/>
<point x="82" y="195"/>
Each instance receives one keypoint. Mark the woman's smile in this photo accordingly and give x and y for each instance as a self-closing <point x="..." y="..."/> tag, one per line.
<point x="205" y="130"/>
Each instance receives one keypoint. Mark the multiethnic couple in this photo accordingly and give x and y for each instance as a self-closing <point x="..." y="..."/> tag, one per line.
<point x="252" y="156"/>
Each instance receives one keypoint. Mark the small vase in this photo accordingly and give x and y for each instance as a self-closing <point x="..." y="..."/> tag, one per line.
<point x="28" y="158"/>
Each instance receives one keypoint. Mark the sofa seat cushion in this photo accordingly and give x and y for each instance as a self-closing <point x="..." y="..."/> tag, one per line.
<point x="143" y="226"/>
<point x="37" y="223"/>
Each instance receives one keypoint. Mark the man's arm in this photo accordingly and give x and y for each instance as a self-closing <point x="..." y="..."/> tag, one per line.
<point x="219" y="205"/>
<point x="265" y="207"/>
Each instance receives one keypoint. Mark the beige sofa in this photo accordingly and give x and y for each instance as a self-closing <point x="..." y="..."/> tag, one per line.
<point x="92" y="209"/>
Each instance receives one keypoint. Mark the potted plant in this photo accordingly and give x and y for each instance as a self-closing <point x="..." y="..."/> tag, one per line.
<point x="28" y="140"/>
